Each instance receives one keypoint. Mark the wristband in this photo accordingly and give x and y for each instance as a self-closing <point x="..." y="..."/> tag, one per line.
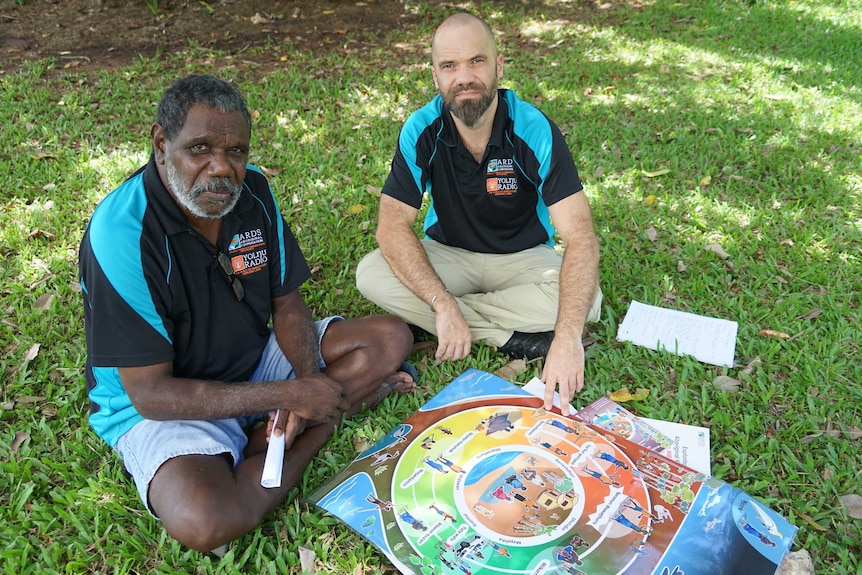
<point x="433" y="299"/>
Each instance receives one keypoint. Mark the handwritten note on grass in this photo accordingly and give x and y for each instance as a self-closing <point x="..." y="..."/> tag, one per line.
<point x="710" y="340"/>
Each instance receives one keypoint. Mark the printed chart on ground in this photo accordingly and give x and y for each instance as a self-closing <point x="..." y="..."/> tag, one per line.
<point x="483" y="480"/>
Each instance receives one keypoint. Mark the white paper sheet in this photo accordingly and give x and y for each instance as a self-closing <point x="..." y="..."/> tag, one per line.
<point x="710" y="340"/>
<point x="690" y="443"/>
<point x="272" y="465"/>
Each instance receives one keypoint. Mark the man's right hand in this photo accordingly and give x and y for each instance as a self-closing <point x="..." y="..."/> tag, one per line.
<point x="453" y="333"/>
<point x="317" y="398"/>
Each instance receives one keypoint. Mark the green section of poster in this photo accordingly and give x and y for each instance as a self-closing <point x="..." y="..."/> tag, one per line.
<point x="482" y="480"/>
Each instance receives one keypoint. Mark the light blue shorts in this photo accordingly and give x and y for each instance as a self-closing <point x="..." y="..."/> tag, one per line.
<point x="147" y="445"/>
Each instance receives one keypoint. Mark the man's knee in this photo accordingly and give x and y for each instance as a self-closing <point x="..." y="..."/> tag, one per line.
<point x="197" y="499"/>
<point x="368" y="273"/>
<point x="207" y="520"/>
<point x="398" y="337"/>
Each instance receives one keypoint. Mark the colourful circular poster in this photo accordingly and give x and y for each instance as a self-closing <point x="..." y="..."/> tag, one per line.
<point x="519" y="490"/>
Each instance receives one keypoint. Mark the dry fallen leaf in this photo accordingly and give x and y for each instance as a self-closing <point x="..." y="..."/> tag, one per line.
<point x="510" y="371"/>
<point x="32" y="352"/>
<point x="680" y="267"/>
<point x="37" y="233"/>
<point x="306" y="560"/>
<point x="428" y="346"/>
<point x="44" y="301"/>
<point x="40" y="281"/>
<point x="774" y="334"/>
<point x="810" y="521"/>
<point x="717" y="250"/>
<point x="854" y="433"/>
<point x="269" y="172"/>
<point x="655" y="174"/>
<point x="812" y="314"/>
<point x="623" y="395"/>
<point x="749" y="369"/>
<point x="726" y="383"/>
<point x="809" y="438"/>
<point x="20" y="437"/>
<point x="651" y="234"/>
<point x="853" y="505"/>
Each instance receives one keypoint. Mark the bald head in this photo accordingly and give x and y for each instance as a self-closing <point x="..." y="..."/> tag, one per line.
<point x="460" y="27"/>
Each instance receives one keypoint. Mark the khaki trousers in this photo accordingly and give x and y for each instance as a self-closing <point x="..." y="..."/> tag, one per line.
<point x="497" y="293"/>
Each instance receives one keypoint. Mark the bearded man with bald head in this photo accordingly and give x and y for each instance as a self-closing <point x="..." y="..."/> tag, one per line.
<point x="502" y="187"/>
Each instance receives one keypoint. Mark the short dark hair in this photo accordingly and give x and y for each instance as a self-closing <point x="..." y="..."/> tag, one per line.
<point x="197" y="89"/>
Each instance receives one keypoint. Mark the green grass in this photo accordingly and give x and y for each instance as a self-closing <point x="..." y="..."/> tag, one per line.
<point x="754" y="109"/>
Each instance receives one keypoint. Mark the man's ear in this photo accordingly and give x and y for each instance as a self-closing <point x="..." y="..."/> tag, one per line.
<point x="158" y="136"/>
<point x="499" y="65"/>
<point x="434" y="76"/>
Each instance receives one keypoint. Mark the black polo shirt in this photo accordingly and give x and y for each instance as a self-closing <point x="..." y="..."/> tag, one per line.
<point x="154" y="292"/>
<point x="499" y="205"/>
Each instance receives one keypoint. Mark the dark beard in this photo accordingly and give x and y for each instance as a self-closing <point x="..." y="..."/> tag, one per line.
<point x="469" y="111"/>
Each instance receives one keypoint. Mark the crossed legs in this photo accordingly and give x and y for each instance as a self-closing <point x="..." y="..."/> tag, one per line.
<point x="204" y="501"/>
<point x="498" y="294"/>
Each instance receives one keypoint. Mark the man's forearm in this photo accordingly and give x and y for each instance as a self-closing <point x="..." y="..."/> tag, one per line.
<point x="296" y="334"/>
<point x="579" y="280"/>
<point x="165" y="397"/>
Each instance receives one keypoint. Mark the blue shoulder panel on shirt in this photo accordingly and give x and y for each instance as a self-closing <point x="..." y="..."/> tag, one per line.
<point x="413" y="128"/>
<point x="115" y="237"/>
<point x="273" y="218"/>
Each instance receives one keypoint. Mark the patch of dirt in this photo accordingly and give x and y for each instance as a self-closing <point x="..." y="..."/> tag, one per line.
<point x="96" y="34"/>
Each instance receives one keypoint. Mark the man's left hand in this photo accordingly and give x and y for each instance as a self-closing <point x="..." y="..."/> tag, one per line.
<point x="564" y="366"/>
<point x="289" y="426"/>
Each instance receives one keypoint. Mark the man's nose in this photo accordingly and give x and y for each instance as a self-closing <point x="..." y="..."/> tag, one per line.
<point x="219" y="165"/>
<point x="464" y="76"/>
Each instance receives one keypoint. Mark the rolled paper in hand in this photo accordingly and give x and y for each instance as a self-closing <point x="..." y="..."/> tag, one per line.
<point x="271" y="476"/>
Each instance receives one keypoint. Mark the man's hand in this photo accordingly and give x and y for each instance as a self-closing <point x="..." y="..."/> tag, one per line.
<point x="453" y="333"/>
<point x="289" y="426"/>
<point x="564" y="366"/>
<point x="316" y="398"/>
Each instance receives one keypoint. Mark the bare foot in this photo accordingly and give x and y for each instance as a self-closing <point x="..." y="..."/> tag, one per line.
<point x="402" y="381"/>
